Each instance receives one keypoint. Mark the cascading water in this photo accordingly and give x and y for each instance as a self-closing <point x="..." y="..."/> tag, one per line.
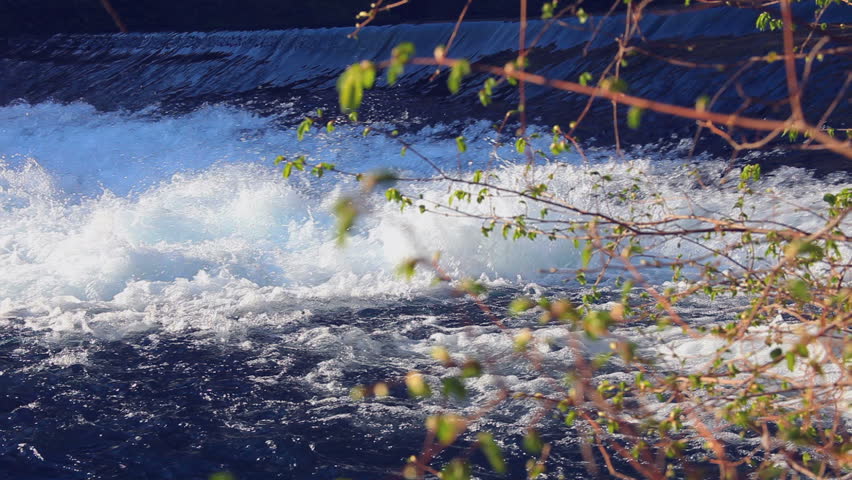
<point x="171" y="307"/>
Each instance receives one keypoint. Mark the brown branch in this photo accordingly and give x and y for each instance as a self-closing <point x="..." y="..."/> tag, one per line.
<point x="522" y="62"/>
<point x="790" y="64"/>
<point x="842" y="148"/>
<point x="115" y="17"/>
<point x="371" y="15"/>
<point x="452" y="37"/>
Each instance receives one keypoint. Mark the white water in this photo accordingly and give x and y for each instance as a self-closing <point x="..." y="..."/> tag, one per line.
<point x="111" y="222"/>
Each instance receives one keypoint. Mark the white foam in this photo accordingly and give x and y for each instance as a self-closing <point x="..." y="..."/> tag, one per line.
<point x="113" y="222"/>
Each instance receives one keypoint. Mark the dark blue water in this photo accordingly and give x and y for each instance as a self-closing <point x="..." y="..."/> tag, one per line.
<point x="182" y="406"/>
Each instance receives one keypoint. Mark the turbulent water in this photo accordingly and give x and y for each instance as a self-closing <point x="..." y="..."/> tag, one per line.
<point x="171" y="307"/>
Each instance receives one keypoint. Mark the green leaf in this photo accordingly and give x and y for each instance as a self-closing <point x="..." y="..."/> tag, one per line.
<point x="406" y="269"/>
<point x="459" y="70"/>
<point x="304" y="128"/>
<point x="404" y="51"/>
<point x="585" y="78"/>
<point x="321" y="168"/>
<point x="570" y="418"/>
<point x="350" y="89"/>
<point x="750" y="172"/>
<point x="442" y="355"/>
<point x="351" y="85"/>
<point x="380" y="177"/>
<point x="596" y="323"/>
<point x="346" y="213"/>
<point x="484" y="98"/>
<point x="546" y="11"/>
<point x="288" y="169"/>
<point x="454" y="387"/>
<point x="299" y="163"/>
<point x="471" y="369"/>
<point x="586" y="255"/>
<point x="532" y="442"/>
<point x="762" y="21"/>
<point x="489" y="85"/>
<point x="446" y="427"/>
<point x="400" y="55"/>
<point x="492" y="452"/>
<point x="522" y="339"/>
<point x="457" y="469"/>
<point x="521" y="144"/>
<point x="558" y="145"/>
<point x="799" y="290"/>
<point x="634" y="117"/>
<point x="472" y="287"/>
<point x="417" y="386"/>
<point x="394" y="71"/>
<point x="791" y="361"/>
<point x="791" y="134"/>
<point x="535" y="469"/>
<point x="461" y="144"/>
<point x="520" y="305"/>
<point x="616" y="85"/>
<point x="368" y="75"/>
<point x="222" y="476"/>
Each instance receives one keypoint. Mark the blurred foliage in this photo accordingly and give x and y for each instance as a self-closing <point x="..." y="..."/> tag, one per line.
<point x="779" y="370"/>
